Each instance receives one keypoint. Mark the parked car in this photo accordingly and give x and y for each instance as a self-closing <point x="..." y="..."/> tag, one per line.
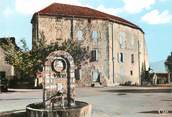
<point x="3" y="82"/>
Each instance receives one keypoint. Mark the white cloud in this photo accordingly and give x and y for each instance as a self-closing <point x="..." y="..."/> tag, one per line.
<point x="136" y="6"/>
<point x="156" y="17"/>
<point x="163" y="0"/>
<point x="112" y="11"/>
<point x="7" y="12"/>
<point x="28" y="7"/>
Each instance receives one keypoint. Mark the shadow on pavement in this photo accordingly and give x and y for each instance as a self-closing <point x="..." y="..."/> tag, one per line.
<point x="13" y="91"/>
<point x="18" y="99"/>
<point x="139" y="91"/>
<point x="121" y="94"/>
<point x="157" y="112"/>
<point x="19" y="90"/>
<point x="14" y="113"/>
<point x="9" y="91"/>
<point x="167" y="100"/>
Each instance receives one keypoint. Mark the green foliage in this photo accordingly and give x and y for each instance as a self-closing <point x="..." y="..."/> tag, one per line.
<point x="168" y="63"/>
<point x="145" y="74"/>
<point x="28" y="63"/>
<point x="18" y="57"/>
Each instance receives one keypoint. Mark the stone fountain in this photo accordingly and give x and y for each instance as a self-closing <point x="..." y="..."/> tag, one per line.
<point x="59" y="90"/>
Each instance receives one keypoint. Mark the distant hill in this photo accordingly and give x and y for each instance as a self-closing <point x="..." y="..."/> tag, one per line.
<point x="158" y="66"/>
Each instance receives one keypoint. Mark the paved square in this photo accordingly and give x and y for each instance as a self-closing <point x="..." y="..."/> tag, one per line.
<point x="128" y="101"/>
<point x="106" y="102"/>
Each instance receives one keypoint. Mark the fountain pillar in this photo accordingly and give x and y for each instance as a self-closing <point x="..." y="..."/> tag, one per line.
<point x="59" y="90"/>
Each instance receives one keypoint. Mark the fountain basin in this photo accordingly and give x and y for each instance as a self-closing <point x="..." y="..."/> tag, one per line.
<point x="81" y="109"/>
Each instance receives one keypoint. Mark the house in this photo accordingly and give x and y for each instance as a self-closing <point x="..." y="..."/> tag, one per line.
<point x="6" y="69"/>
<point x="161" y="78"/>
<point x="117" y="47"/>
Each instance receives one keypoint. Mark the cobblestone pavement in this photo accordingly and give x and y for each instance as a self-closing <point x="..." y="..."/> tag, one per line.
<point x="106" y="102"/>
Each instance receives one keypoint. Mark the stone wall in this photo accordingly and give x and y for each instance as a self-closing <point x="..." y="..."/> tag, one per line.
<point x="135" y="44"/>
<point x="60" y="30"/>
<point x="4" y="67"/>
<point x="126" y="70"/>
<point x="107" y="45"/>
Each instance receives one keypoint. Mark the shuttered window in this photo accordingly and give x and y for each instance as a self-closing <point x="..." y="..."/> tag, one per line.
<point x="94" y="55"/>
<point x="132" y="58"/>
<point x="121" y="57"/>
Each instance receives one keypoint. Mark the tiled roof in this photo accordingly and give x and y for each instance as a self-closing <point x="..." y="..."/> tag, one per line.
<point x="83" y="12"/>
<point x="162" y="74"/>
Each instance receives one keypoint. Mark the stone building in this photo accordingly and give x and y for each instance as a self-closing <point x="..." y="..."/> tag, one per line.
<point x="161" y="78"/>
<point x="117" y="47"/>
<point x="5" y="68"/>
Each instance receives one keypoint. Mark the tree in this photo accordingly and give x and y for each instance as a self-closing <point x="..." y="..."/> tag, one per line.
<point x="28" y="63"/>
<point x="145" y="75"/>
<point x="168" y="63"/>
<point x="18" y="57"/>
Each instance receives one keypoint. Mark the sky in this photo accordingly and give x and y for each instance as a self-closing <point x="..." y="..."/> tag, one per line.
<point x="153" y="16"/>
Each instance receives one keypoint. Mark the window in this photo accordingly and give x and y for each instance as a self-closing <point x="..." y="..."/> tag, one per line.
<point x="94" y="35"/>
<point x="132" y="58"/>
<point x="132" y="41"/>
<point x="2" y="74"/>
<point x="80" y="35"/>
<point x="121" y="72"/>
<point x="121" y="57"/>
<point x="95" y="76"/>
<point x="78" y="74"/>
<point x="58" y="34"/>
<point x="131" y="72"/>
<point x="122" y="40"/>
<point x="94" y="55"/>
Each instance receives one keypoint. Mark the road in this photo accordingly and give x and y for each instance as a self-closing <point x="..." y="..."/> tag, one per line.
<point x="106" y="102"/>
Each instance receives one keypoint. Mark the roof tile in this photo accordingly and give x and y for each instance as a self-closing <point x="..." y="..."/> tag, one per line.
<point x="78" y="11"/>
